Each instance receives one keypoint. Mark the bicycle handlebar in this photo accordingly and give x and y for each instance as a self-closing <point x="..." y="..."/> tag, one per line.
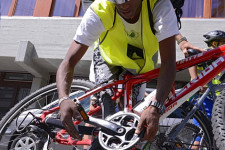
<point x="106" y="126"/>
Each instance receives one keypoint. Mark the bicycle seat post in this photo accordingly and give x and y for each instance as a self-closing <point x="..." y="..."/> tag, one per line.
<point x="127" y="94"/>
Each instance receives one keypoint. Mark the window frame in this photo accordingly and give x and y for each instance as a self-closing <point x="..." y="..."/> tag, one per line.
<point x="207" y="9"/>
<point x="43" y="8"/>
<point x="17" y="84"/>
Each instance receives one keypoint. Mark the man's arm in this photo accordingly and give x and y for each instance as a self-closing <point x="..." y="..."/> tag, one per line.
<point x="193" y="72"/>
<point x="185" y="45"/>
<point x="64" y="79"/>
<point x="168" y="68"/>
<point x="65" y="71"/>
<point x="150" y="117"/>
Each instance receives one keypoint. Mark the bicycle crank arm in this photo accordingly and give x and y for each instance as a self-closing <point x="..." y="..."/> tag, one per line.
<point x="106" y="126"/>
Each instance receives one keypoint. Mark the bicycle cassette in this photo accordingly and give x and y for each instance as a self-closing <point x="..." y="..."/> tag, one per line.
<point x="129" y="122"/>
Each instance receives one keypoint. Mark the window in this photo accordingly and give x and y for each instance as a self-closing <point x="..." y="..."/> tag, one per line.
<point x="6" y="96"/>
<point x="22" y="93"/>
<point x="218" y="8"/>
<point x="193" y="8"/>
<point x="4" y="6"/>
<point x="64" y="8"/>
<point x="18" y="77"/>
<point x="24" y="8"/>
<point x="13" y="88"/>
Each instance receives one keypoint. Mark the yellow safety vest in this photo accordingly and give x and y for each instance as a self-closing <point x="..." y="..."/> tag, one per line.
<point x="113" y="41"/>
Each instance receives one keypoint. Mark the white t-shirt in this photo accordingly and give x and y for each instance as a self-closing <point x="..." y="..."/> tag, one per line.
<point x="133" y="32"/>
<point x="165" y="24"/>
<point x="91" y="27"/>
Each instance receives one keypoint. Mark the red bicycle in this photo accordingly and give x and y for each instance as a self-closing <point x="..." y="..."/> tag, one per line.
<point x="35" y="121"/>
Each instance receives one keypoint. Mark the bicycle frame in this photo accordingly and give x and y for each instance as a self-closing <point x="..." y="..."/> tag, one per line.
<point x="217" y="66"/>
<point x="212" y="89"/>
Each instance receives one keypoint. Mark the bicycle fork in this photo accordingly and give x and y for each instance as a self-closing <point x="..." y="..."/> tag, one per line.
<point x="189" y="115"/>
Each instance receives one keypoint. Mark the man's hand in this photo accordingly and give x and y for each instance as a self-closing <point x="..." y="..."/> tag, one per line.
<point x="185" y="45"/>
<point x="150" y="120"/>
<point x="68" y="110"/>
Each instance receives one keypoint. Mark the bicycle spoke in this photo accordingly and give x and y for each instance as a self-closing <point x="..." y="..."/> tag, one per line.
<point x="43" y="99"/>
<point x="46" y="102"/>
<point x="39" y="104"/>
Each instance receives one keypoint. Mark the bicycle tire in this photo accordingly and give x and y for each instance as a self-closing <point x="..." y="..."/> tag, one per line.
<point x="42" y="97"/>
<point x="198" y="115"/>
<point x="184" y="134"/>
<point x="218" y="120"/>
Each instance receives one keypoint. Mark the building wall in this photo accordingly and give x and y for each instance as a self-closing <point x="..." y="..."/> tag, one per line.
<point x="51" y="38"/>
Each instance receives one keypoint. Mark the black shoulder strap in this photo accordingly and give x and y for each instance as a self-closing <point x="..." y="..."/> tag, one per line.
<point x="150" y="16"/>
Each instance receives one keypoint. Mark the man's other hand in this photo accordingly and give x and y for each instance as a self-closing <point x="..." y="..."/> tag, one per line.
<point x="150" y="120"/>
<point x="68" y="110"/>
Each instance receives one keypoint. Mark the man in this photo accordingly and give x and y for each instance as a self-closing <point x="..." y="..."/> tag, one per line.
<point x="124" y="41"/>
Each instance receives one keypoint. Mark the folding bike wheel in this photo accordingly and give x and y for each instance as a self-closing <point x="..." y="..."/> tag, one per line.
<point x="42" y="99"/>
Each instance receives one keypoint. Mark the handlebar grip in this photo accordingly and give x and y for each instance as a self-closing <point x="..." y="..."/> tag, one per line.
<point x="80" y="129"/>
<point x="192" y="52"/>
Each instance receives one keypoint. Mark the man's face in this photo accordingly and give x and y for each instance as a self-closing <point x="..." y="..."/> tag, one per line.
<point x="128" y="9"/>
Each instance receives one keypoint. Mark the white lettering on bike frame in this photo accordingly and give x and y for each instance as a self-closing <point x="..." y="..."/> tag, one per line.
<point x="189" y="58"/>
<point x="171" y="108"/>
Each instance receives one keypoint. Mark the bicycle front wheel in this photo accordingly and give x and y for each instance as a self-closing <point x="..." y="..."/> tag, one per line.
<point x="187" y="135"/>
<point x="42" y="99"/>
<point x="218" y="120"/>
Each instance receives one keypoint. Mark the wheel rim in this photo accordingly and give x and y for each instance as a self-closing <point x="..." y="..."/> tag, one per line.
<point x="129" y="122"/>
<point x="25" y="143"/>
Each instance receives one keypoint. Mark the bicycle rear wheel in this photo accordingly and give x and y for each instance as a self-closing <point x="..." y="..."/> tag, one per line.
<point x="218" y="120"/>
<point x="188" y="135"/>
<point x="42" y="99"/>
<point x="182" y="141"/>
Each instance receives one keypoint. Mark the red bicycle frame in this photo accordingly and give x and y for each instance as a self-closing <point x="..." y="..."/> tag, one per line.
<point x="217" y="66"/>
